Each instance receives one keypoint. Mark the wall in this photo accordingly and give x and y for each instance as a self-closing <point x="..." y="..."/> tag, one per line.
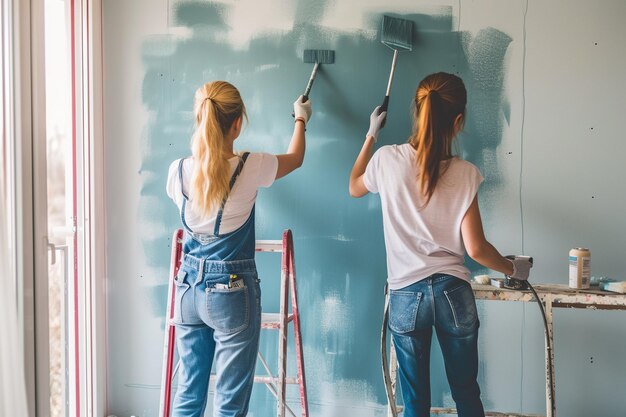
<point x="546" y="85"/>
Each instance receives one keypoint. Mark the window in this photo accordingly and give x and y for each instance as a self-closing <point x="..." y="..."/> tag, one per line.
<point x="52" y="181"/>
<point x="76" y="282"/>
<point x="60" y="209"/>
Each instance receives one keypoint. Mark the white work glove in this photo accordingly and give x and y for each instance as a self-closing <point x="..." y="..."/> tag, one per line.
<point x="302" y="110"/>
<point x="377" y="120"/>
<point x="521" y="266"/>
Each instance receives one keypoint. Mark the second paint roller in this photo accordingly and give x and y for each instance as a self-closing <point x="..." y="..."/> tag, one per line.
<point x="397" y="34"/>
<point x="317" y="57"/>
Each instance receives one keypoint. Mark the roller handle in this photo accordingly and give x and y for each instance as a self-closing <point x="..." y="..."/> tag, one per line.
<point x="309" y="85"/>
<point x="307" y="90"/>
<point x="383" y="107"/>
<point x="385" y="104"/>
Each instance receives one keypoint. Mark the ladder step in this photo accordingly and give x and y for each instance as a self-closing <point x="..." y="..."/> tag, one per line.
<point x="268" y="320"/>
<point x="269" y="245"/>
<point x="269" y="380"/>
<point x="272" y="320"/>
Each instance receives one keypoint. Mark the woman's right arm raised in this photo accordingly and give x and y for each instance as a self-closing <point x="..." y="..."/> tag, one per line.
<point x="294" y="157"/>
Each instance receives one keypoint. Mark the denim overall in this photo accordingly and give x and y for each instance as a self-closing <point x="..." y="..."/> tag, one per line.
<point x="215" y="322"/>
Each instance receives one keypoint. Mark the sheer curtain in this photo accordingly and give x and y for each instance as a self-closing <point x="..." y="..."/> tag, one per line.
<point x="12" y="382"/>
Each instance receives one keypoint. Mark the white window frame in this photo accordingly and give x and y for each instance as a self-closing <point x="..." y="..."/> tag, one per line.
<point x="26" y="154"/>
<point x="11" y="168"/>
<point x="28" y="189"/>
<point x="91" y="214"/>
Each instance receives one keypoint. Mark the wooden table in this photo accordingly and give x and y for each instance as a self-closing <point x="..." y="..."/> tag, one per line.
<point x="552" y="296"/>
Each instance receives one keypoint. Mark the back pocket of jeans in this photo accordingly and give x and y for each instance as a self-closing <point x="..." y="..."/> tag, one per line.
<point x="463" y="305"/>
<point x="228" y="309"/>
<point x="403" y="306"/>
<point x="181" y="288"/>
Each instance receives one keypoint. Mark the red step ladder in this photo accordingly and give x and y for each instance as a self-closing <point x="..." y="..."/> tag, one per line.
<point x="277" y="384"/>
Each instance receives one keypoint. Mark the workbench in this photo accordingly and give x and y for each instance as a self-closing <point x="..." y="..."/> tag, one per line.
<point x="552" y="296"/>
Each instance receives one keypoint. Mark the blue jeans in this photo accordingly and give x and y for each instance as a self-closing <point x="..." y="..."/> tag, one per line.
<point x="214" y="322"/>
<point x="448" y="304"/>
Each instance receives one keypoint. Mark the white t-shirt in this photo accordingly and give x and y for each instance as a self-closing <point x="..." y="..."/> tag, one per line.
<point x="422" y="242"/>
<point x="258" y="171"/>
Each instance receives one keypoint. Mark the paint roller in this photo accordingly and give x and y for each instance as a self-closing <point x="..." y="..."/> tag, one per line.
<point x="397" y="34"/>
<point x="316" y="57"/>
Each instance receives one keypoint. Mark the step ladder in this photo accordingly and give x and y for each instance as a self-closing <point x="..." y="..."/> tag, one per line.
<point x="276" y="383"/>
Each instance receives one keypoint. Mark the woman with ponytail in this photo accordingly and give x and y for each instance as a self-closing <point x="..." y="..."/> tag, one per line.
<point x="217" y="305"/>
<point x="430" y="219"/>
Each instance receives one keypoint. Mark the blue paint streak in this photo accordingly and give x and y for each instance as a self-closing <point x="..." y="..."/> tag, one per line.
<point x="335" y="236"/>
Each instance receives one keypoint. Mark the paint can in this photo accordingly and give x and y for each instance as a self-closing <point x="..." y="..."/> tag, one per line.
<point x="579" y="268"/>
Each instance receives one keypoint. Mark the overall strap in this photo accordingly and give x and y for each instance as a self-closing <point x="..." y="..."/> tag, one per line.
<point x="180" y="177"/>
<point x="218" y="219"/>
<point x="185" y="197"/>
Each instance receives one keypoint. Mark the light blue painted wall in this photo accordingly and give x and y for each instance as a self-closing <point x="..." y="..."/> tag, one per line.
<point x="546" y="90"/>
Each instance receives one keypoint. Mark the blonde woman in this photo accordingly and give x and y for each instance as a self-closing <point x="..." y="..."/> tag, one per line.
<point x="430" y="218"/>
<point x="218" y="308"/>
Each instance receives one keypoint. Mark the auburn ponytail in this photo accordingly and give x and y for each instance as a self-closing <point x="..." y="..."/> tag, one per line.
<point x="217" y="105"/>
<point x="440" y="98"/>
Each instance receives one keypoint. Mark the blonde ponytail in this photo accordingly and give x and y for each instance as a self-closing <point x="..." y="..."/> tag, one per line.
<point x="217" y="106"/>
